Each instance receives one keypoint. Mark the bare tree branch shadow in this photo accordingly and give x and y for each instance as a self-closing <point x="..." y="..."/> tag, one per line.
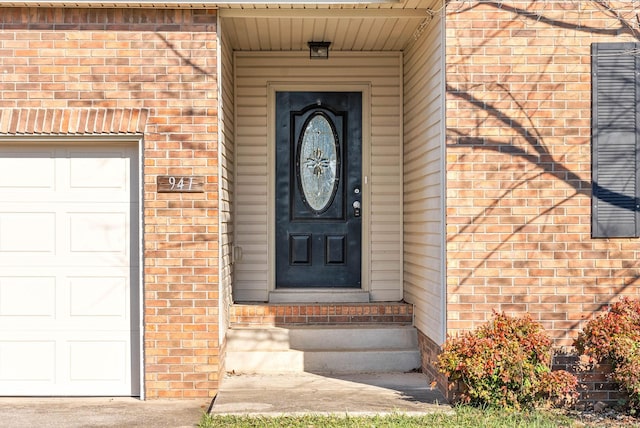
<point x="528" y="143"/>
<point x="183" y="58"/>
<point x="624" y="28"/>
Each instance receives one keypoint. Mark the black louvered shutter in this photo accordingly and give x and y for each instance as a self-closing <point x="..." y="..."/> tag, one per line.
<point x="614" y="127"/>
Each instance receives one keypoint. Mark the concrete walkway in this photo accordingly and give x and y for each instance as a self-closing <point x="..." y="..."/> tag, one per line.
<point x="272" y="395"/>
<point x="100" y="412"/>
<point x="304" y="393"/>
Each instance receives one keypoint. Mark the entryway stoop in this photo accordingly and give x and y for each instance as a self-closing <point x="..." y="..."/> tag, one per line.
<point x="322" y="338"/>
<point x="341" y="295"/>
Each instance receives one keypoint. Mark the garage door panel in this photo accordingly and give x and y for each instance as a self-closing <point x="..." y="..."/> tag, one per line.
<point x="94" y="175"/>
<point x="99" y="236"/>
<point x="92" y="364"/>
<point x="28" y="361"/>
<point x="79" y="259"/>
<point x="93" y="170"/>
<point x="98" y="361"/>
<point x="99" y="232"/>
<point x="99" y="297"/>
<point x="87" y="357"/>
<point x="27" y="232"/>
<point x="69" y="234"/>
<point x="27" y="171"/>
<point x="27" y="296"/>
<point x="95" y="362"/>
<point x="93" y="299"/>
<point x="69" y="270"/>
<point x="68" y="175"/>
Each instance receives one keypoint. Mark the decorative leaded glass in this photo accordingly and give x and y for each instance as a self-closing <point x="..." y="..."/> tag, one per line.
<point x="318" y="163"/>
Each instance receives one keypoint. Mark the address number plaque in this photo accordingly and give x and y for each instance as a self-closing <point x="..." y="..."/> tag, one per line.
<point x="180" y="184"/>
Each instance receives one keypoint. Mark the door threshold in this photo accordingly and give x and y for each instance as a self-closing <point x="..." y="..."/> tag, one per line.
<point x="319" y="295"/>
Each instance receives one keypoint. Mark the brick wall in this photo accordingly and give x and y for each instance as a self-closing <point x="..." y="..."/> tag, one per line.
<point x="595" y="384"/>
<point x="519" y="164"/>
<point x="429" y="351"/>
<point x="161" y="64"/>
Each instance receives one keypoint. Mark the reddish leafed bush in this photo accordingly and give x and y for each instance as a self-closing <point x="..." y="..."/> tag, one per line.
<point x="506" y="362"/>
<point x="614" y="336"/>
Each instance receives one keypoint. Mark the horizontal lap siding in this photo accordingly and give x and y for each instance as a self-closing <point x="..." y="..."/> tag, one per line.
<point x="251" y="273"/>
<point x="386" y="185"/>
<point x="423" y="223"/>
<point x="382" y="71"/>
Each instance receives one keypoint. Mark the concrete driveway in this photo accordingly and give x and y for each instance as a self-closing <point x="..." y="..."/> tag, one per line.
<point x="48" y="412"/>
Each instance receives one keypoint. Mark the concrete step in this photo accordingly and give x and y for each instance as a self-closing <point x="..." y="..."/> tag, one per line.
<point x="264" y="362"/>
<point x="339" y="361"/>
<point x="325" y="337"/>
<point x="371" y="360"/>
<point x="322" y="349"/>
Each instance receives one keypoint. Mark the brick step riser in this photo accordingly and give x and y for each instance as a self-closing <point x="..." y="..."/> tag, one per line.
<point x="320" y="314"/>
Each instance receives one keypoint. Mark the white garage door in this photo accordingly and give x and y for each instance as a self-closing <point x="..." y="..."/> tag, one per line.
<point x="69" y="270"/>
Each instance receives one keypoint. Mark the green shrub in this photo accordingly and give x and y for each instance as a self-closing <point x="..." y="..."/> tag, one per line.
<point x="614" y="336"/>
<point x="505" y="362"/>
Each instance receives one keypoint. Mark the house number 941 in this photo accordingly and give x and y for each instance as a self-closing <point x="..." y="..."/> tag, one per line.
<point x="180" y="184"/>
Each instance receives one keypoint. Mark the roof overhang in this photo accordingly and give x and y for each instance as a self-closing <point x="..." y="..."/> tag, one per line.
<point x="191" y="4"/>
<point x="350" y="25"/>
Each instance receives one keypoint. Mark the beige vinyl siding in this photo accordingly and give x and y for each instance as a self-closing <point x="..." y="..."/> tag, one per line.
<point x="423" y="180"/>
<point x="382" y="74"/>
<point x="386" y="196"/>
<point x="251" y="270"/>
<point x="226" y="184"/>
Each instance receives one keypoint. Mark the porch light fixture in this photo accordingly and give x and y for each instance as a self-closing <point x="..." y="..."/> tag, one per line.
<point x="319" y="50"/>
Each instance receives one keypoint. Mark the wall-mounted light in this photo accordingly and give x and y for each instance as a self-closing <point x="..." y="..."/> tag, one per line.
<point x="319" y="50"/>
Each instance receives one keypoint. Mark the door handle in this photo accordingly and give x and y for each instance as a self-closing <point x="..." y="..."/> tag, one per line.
<point x="356" y="208"/>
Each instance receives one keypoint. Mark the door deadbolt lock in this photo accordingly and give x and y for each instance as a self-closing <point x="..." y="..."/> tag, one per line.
<point x="356" y="208"/>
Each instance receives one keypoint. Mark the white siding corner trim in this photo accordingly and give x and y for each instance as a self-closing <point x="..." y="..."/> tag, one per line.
<point x="226" y="176"/>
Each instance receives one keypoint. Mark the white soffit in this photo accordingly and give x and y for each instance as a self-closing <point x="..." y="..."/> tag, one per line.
<point x="353" y="27"/>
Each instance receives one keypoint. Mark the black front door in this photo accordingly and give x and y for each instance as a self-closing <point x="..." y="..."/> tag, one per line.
<point x="318" y="189"/>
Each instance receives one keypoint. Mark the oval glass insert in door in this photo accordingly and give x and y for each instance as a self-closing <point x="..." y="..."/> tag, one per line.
<point x="318" y="163"/>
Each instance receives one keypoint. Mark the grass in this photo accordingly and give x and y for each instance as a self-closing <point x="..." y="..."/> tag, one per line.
<point x="462" y="417"/>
